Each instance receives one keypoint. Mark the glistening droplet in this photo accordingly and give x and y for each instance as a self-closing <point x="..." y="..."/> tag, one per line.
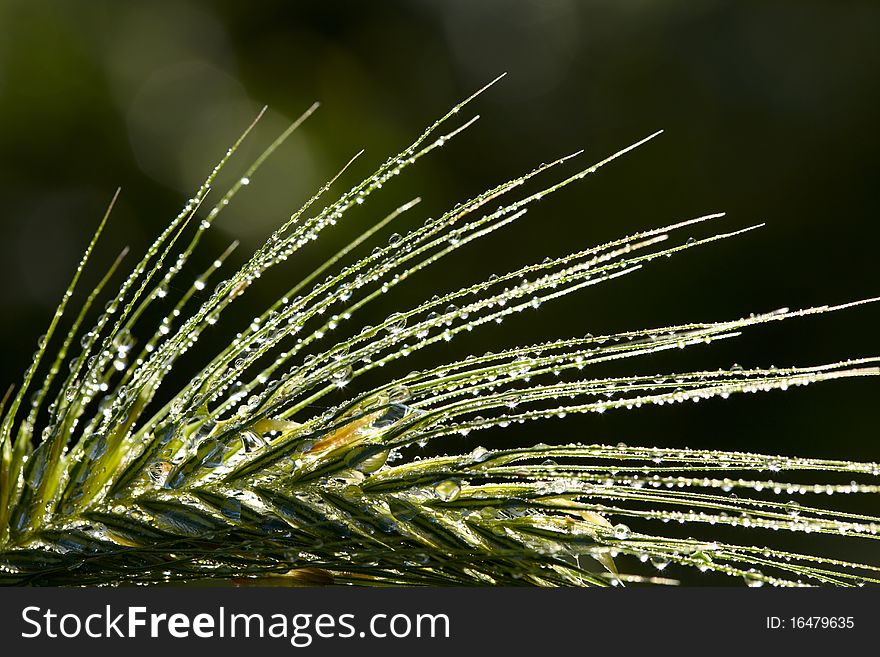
<point x="447" y="491"/>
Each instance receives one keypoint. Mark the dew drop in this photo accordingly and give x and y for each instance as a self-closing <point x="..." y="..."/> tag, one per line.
<point x="753" y="579"/>
<point x="403" y="511"/>
<point x="231" y="508"/>
<point x="97" y="447"/>
<point x="214" y="456"/>
<point x="158" y="471"/>
<point x="250" y="440"/>
<point x="395" y="323"/>
<point x="373" y="463"/>
<point x="393" y="414"/>
<point x="37" y="462"/>
<point x="447" y="490"/>
<point x="479" y="454"/>
<point x="342" y="375"/>
<point x="398" y="394"/>
<point x="659" y="563"/>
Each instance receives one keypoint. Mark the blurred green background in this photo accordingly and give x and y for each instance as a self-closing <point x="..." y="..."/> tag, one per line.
<point x="770" y="111"/>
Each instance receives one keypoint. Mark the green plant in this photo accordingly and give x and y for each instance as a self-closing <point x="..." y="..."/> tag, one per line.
<point x="237" y="476"/>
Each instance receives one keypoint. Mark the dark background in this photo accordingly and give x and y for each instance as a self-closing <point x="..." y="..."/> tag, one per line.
<point x="769" y="110"/>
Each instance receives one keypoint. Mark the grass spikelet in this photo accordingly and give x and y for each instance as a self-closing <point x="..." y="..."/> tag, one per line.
<point x="254" y="471"/>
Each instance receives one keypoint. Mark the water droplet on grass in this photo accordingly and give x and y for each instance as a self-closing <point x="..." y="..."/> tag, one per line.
<point x="158" y="471"/>
<point x="659" y="563"/>
<point x="231" y="508"/>
<point x="753" y="579"/>
<point x="395" y="323"/>
<point x="447" y="490"/>
<point x="479" y="454"/>
<point x="250" y="440"/>
<point x="622" y="532"/>
<point x="342" y="376"/>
